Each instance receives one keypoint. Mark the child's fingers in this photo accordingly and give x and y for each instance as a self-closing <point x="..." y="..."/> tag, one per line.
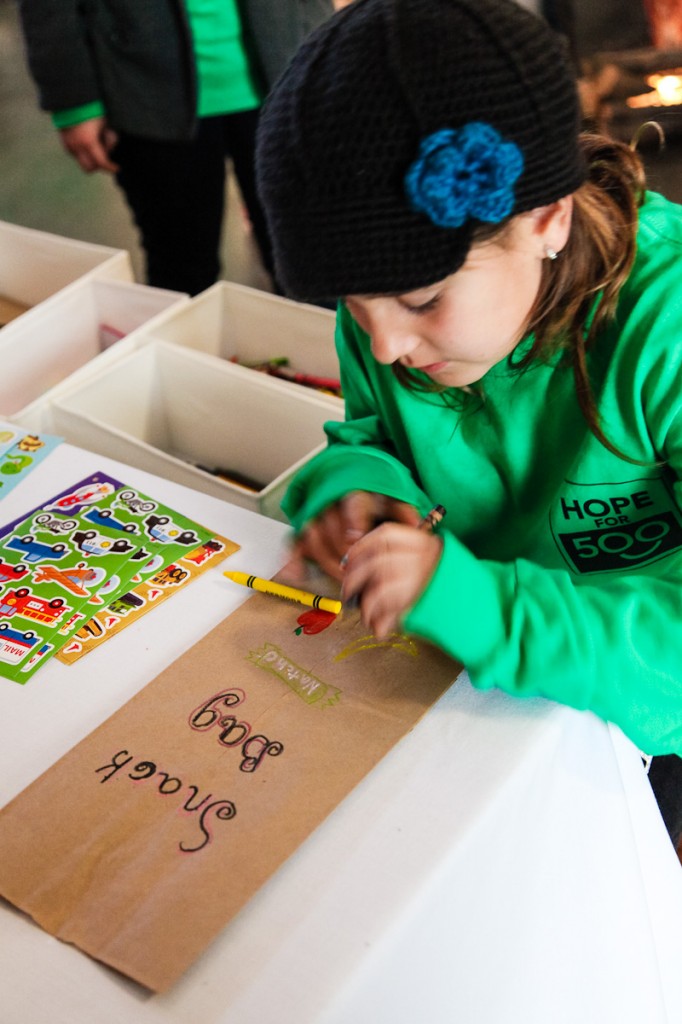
<point x="388" y="570"/>
<point x="401" y="512"/>
<point x="380" y="609"/>
<point x="328" y="539"/>
<point x="363" y="510"/>
<point x="381" y="624"/>
<point x="358" y="513"/>
<point x="366" y="562"/>
<point x="322" y="542"/>
<point x="295" y="569"/>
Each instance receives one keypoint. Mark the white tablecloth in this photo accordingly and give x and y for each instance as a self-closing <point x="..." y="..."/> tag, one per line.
<point x="505" y="862"/>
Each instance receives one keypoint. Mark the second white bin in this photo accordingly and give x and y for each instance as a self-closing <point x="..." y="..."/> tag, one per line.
<point x="66" y="332"/>
<point x="172" y="411"/>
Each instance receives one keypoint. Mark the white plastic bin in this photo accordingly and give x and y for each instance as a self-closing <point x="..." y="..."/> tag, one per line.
<point x="170" y="410"/>
<point x="236" y="322"/>
<point x="35" y="264"/>
<point x="66" y="332"/>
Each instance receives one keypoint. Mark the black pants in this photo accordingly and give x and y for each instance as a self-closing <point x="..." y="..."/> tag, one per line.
<point x="176" y="192"/>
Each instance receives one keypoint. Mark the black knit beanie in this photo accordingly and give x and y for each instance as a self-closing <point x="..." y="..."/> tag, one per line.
<point x="402" y="125"/>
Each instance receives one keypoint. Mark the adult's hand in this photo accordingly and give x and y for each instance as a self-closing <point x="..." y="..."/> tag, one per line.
<point x="90" y="144"/>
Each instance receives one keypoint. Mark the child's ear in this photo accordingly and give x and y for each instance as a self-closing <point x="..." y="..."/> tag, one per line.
<point x="552" y="224"/>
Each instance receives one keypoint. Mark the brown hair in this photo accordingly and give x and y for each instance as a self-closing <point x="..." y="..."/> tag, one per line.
<point x="579" y="290"/>
<point x="592" y="268"/>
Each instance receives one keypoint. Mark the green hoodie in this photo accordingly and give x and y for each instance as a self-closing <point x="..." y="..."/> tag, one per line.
<point x="561" y="572"/>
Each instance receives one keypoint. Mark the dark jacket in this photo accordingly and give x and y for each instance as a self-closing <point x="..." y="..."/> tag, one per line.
<point x="275" y="28"/>
<point x="136" y="57"/>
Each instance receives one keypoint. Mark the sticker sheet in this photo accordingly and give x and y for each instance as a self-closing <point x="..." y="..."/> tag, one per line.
<point x="81" y="550"/>
<point x="20" y="453"/>
<point x="147" y="594"/>
<point x="9" y="435"/>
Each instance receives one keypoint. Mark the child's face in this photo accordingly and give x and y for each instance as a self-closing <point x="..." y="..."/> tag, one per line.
<point x="457" y="329"/>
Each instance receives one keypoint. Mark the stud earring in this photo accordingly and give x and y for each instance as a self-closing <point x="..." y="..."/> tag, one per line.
<point x="550" y="253"/>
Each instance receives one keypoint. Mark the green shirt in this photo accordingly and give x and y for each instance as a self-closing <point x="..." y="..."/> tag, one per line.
<point x="225" y="82"/>
<point x="224" y="79"/>
<point x="561" y="573"/>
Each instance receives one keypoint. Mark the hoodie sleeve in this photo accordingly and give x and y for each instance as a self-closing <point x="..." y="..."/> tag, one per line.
<point x="530" y="631"/>
<point x="59" y="56"/>
<point x="360" y="455"/>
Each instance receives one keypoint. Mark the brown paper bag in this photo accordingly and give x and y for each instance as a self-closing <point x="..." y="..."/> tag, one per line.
<point x="143" y="841"/>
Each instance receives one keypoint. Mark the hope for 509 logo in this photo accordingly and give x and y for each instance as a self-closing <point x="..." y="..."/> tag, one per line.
<point x="618" y="531"/>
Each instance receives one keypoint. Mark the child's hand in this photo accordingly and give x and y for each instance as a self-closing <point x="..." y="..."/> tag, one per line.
<point x="330" y="537"/>
<point x="388" y="569"/>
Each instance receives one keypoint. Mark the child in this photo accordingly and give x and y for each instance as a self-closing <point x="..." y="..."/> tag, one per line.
<point x="510" y="338"/>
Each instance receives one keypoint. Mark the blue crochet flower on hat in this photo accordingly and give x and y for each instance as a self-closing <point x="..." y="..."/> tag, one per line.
<point x="464" y="172"/>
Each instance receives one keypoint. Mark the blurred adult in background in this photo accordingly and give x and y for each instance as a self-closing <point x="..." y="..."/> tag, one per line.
<point x="277" y="27"/>
<point x="160" y="93"/>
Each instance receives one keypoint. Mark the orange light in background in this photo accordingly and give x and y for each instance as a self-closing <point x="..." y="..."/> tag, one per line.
<point x="665" y="21"/>
<point x="666" y="91"/>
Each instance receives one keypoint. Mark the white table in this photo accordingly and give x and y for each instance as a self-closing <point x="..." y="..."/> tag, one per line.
<point x="504" y="863"/>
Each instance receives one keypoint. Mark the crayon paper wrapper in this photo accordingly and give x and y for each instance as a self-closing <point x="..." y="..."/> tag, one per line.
<point x="159" y="826"/>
